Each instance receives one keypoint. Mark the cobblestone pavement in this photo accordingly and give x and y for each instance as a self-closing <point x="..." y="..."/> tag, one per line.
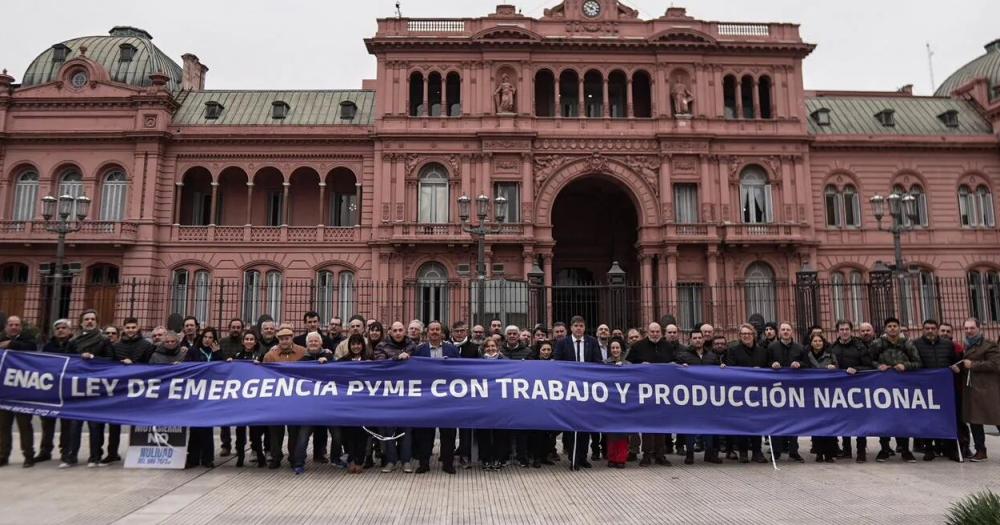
<point x="848" y="493"/>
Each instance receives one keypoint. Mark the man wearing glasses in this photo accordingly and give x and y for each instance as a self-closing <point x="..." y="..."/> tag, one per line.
<point x="746" y="353"/>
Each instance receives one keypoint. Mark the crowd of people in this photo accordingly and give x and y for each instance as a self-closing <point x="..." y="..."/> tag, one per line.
<point x="974" y="360"/>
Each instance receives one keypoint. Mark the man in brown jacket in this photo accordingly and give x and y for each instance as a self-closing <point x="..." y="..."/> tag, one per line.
<point x="981" y="384"/>
<point x="285" y="352"/>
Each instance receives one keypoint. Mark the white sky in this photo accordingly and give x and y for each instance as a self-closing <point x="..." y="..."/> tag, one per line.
<point x="312" y="44"/>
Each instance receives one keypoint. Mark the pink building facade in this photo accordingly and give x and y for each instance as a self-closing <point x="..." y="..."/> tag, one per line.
<point x="687" y="151"/>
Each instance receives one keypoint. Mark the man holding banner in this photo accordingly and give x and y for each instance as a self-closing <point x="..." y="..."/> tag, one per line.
<point x="893" y="352"/>
<point x="581" y="348"/>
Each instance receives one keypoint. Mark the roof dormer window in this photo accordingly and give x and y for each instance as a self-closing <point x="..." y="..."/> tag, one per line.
<point x="126" y="52"/>
<point x="348" y="110"/>
<point x="821" y="116"/>
<point x="279" y="110"/>
<point x="886" y="117"/>
<point x="213" y="110"/>
<point x="950" y="118"/>
<point x="60" y="52"/>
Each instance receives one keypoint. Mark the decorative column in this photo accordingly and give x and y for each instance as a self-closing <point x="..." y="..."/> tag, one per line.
<point x="284" y="203"/>
<point x="712" y="257"/>
<point x="527" y="187"/>
<point x="215" y="203"/>
<point x="581" y="104"/>
<point x="249" y="203"/>
<point x="178" y="195"/>
<point x="427" y="96"/>
<point x="444" y="96"/>
<point x="666" y="196"/>
<point x="322" y="202"/>
<point x="806" y="300"/>
<point x="357" y="203"/>
<point x="646" y="263"/>
<point x="663" y="285"/>
<point x="547" y="265"/>
<point x="558" y="98"/>
<point x="672" y="275"/>
<point x="605" y="103"/>
<point x="629" y="113"/>
<point x="756" y="98"/>
<point x="739" y="98"/>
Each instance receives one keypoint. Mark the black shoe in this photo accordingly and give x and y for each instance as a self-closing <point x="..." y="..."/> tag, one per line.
<point x="548" y="462"/>
<point x="523" y="463"/>
<point x="448" y="467"/>
<point x="321" y="459"/>
<point x="699" y="448"/>
<point x="819" y="458"/>
<point x="862" y="457"/>
<point x="632" y="456"/>
<point x="28" y="463"/>
<point x="928" y="456"/>
<point x="274" y="465"/>
<point x="424" y="469"/>
<point x="595" y="456"/>
<point x="794" y="456"/>
<point x="574" y="468"/>
<point x="646" y="461"/>
<point x="907" y="456"/>
<point x="208" y="464"/>
<point x="744" y="458"/>
<point x="845" y="454"/>
<point x="111" y="459"/>
<point x="713" y="459"/>
<point x="689" y="458"/>
<point x="4" y="462"/>
<point x="225" y="451"/>
<point x="662" y="461"/>
<point x="830" y="459"/>
<point x="732" y="455"/>
<point x="883" y="456"/>
<point x="41" y="457"/>
<point x="758" y="457"/>
<point x="586" y="464"/>
<point x="536" y="464"/>
<point x="261" y="460"/>
<point x="239" y="460"/>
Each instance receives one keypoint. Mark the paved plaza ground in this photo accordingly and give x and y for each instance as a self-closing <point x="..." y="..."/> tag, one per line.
<point x="846" y="492"/>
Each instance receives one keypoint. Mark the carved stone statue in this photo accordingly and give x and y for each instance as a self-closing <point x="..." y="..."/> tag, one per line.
<point x="682" y="99"/>
<point x="503" y="97"/>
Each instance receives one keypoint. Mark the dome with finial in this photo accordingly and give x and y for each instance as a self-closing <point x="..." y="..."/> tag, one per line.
<point x="986" y="66"/>
<point x="127" y="53"/>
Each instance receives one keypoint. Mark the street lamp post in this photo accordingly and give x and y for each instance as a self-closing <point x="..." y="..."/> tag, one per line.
<point x="479" y="232"/>
<point x="62" y="216"/>
<point x="904" y="214"/>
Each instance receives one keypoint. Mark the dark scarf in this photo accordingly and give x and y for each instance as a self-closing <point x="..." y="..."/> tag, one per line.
<point x="88" y="342"/>
<point x="973" y="342"/>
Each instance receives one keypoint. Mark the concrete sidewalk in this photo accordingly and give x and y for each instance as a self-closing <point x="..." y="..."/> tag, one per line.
<point x="848" y="493"/>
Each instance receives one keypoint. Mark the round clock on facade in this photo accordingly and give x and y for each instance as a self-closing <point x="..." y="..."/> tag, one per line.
<point x="79" y="79"/>
<point x="591" y="8"/>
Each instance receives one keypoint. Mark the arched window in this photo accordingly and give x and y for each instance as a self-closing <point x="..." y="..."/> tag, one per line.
<point x="765" y="97"/>
<point x="920" y="297"/>
<point x="918" y="193"/>
<point x="976" y="207"/>
<point x="847" y="294"/>
<point x="71" y="183"/>
<point x="593" y="93"/>
<point x="617" y="96"/>
<point x="545" y="94"/>
<point x="453" y="94"/>
<point x="569" y="93"/>
<point x="113" y="194"/>
<point x="342" y="185"/>
<point x="417" y="108"/>
<point x="191" y="296"/>
<point x="25" y="196"/>
<point x="262" y="295"/>
<point x="984" y="295"/>
<point x="746" y="96"/>
<point x="273" y="293"/>
<point x="642" y="95"/>
<point x="434" y="94"/>
<point x="843" y="208"/>
<point x="729" y="96"/>
<point x="760" y="291"/>
<point x="348" y="300"/>
<point x="755" y="196"/>
<point x="433" y="199"/>
<point x="432" y="289"/>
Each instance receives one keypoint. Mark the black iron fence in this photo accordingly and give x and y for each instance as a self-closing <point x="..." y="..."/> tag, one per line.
<point x="804" y="302"/>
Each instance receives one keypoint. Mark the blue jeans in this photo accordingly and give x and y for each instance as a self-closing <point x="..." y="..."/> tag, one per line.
<point x="399" y="450"/>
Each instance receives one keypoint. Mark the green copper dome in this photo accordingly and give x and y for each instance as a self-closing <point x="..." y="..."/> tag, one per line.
<point x="986" y="66"/>
<point x="127" y="53"/>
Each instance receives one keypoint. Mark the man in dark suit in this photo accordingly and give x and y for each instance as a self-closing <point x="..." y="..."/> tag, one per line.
<point x="581" y="348"/>
<point x="423" y="438"/>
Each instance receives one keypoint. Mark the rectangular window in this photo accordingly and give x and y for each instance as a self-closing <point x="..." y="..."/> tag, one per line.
<point x="344" y="211"/>
<point x="179" y="293"/>
<point x="512" y="192"/>
<point x="686" y="203"/>
<point x="852" y="209"/>
<point x="202" y="287"/>
<point x="433" y="202"/>
<point x="251" y="296"/>
<point x="325" y="290"/>
<point x="833" y="209"/>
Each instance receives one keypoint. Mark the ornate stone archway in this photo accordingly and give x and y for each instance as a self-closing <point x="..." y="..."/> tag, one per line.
<point x="640" y="182"/>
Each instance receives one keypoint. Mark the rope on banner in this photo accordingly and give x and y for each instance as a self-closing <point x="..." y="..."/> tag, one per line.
<point x="380" y="437"/>
<point x="770" y="448"/>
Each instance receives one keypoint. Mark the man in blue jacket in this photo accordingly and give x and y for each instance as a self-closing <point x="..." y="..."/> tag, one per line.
<point x="423" y="438"/>
<point x="581" y="348"/>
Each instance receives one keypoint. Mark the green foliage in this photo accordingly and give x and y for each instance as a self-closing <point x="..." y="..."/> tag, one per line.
<point x="982" y="508"/>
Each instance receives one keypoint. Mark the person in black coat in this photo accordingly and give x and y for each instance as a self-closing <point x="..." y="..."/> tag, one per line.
<point x="935" y="352"/>
<point x="784" y="352"/>
<point x="578" y="347"/>
<point x="247" y="351"/>
<point x="201" y="443"/>
<point x="852" y="357"/>
<point x="747" y="353"/>
<point x="13" y="339"/>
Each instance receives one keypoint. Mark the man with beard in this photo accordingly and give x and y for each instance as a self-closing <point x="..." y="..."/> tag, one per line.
<point x="893" y="351"/>
<point x="935" y="352"/>
<point x="88" y="344"/>
<point x="478" y="335"/>
<point x="131" y="348"/>
<point x="14" y="339"/>
<point x="232" y="344"/>
<point x="190" y="328"/>
<point x="654" y="349"/>
<point x="786" y="353"/>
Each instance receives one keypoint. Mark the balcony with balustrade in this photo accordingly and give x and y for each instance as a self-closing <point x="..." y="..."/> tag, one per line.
<point x="91" y="232"/>
<point x="265" y="234"/>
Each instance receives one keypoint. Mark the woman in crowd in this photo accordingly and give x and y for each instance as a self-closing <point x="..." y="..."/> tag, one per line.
<point x="248" y="351"/>
<point x="617" y="443"/>
<point x="493" y="443"/>
<point x="820" y="357"/>
<point x="355" y="438"/>
<point x="201" y="441"/>
<point x="376" y="333"/>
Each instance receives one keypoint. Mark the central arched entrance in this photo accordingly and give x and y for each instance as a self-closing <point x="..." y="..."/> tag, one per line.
<point x="594" y="223"/>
